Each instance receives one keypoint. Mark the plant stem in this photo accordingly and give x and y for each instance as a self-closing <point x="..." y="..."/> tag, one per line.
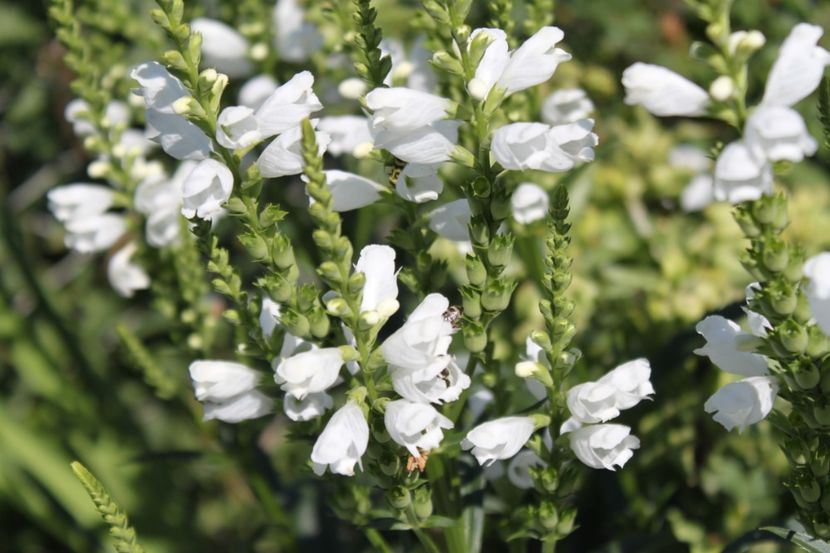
<point x="422" y="536"/>
<point x="377" y="540"/>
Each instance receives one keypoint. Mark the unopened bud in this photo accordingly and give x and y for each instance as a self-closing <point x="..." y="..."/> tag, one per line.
<point x="363" y="150"/>
<point x="722" y="88"/>
<point x="259" y="51"/>
<point x="352" y="88"/>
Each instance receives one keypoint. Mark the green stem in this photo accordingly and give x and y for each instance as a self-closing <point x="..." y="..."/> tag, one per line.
<point x="422" y="536"/>
<point x="377" y="540"/>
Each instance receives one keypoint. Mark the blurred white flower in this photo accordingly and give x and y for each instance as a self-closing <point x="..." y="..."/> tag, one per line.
<point x="419" y="183"/>
<point x="222" y="47"/>
<point x="778" y="133"/>
<point x="228" y="391"/>
<point x="350" y="191"/>
<point x="698" y="194"/>
<point x="662" y="91"/>
<point x="288" y="105"/>
<point x="269" y="316"/>
<point x="604" y="446"/>
<point x="160" y="200"/>
<point x="799" y="67"/>
<point x="296" y="40"/>
<point x="730" y="348"/>
<point x="380" y="291"/>
<point x="498" y="439"/>
<point x="310" y="407"/>
<point x="518" y="471"/>
<point x="451" y="219"/>
<point x="744" y="402"/>
<point x="739" y="176"/>
<point x="94" y="233"/>
<point x="529" y="203"/>
<point x="567" y="105"/>
<point x="522" y="146"/>
<point x="347" y="132"/>
<point x="256" y="90"/>
<point x="284" y="155"/>
<point x="444" y="387"/>
<point x="342" y="442"/>
<point x="237" y="128"/>
<point x="817" y="271"/>
<point x="206" y="189"/>
<point x="125" y="276"/>
<point x="75" y="201"/>
<point x="425" y="145"/>
<point x="402" y="109"/>
<point x="309" y="372"/>
<point x="116" y="114"/>
<point x="416" y="426"/>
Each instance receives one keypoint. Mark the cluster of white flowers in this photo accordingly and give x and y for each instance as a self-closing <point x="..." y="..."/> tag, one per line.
<point x="593" y="404"/>
<point x="773" y="132"/>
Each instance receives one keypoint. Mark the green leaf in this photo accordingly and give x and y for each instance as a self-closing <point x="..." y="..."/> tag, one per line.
<point x="803" y="541"/>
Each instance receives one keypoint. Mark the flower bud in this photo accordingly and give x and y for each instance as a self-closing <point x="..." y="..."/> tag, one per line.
<point x="423" y="503"/>
<point x="295" y="323"/>
<point x="399" y="497"/>
<point x="820" y="466"/>
<point x="319" y="325"/>
<point x="476" y="272"/>
<point x="775" y="256"/>
<point x="496" y="297"/>
<point x="443" y="60"/>
<point x="822" y="414"/>
<point x="747" y="223"/>
<point x="806" y="375"/>
<point x="475" y="337"/>
<point x="809" y="490"/>
<point x="471" y="302"/>
<point x="501" y="250"/>
<point x="548" y="516"/>
<point x="566" y="521"/>
<point x="792" y="336"/>
<point x="463" y="156"/>
<point x="329" y="271"/>
<point x="479" y="231"/>
<point x="722" y="88"/>
<point x="338" y="307"/>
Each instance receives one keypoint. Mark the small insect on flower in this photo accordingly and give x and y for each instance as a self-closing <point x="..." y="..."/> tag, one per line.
<point x="417" y="462"/>
<point x="453" y="316"/>
<point x="395" y="172"/>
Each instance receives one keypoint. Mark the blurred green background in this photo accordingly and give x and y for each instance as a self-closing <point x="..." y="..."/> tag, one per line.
<point x="645" y="274"/>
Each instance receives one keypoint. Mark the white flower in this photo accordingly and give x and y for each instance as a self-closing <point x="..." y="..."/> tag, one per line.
<point x="532" y="63"/>
<point x="313" y="406"/>
<point x="744" y="402"/>
<point x="739" y="176"/>
<point x="698" y="194"/>
<point x="689" y="158"/>
<point x="817" y="271"/>
<point x="309" y="372"/>
<point x="404" y="109"/>
<point x="284" y="155"/>
<point x="380" y="291"/>
<point x="178" y="137"/>
<point x="350" y="191"/>
<point x="415" y="426"/>
<point x="352" y="88"/>
<point x="518" y="471"/>
<point x="414" y="69"/>
<point x="728" y="347"/>
<point x="222" y="47"/>
<point x="158" y="87"/>
<point x="237" y="128"/>
<point x="451" y="220"/>
<point x="758" y="324"/>
<point x="160" y="199"/>
<point x="75" y="201"/>
<point x="663" y="92"/>
<point x="522" y="146"/>
<point x="567" y="105"/>
<point x="604" y="446"/>
<point x="347" y="133"/>
<point x="799" y="67"/>
<point x="425" y="145"/>
<point x="269" y="316"/>
<point x="420" y="346"/>
<point x="295" y="39"/>
<point x="124" y="276"/>
<point x="631" y="381"/>
<point x="288" y="105"/>
<point x="529" y="203"/>
<point x="535" y="354"/>
<point x="445" y="387"/>
<point x="256" y="90"/>
<point x="498" y="439"/>
<point x="206" y="189"/>
<point x="116" y="114"/>
<point x="94" y="233"/>
<point x="342" y="442"/>
<point x="419" y="183"/>
<point x="778" y="133"/>
<point x="228" y="391"/>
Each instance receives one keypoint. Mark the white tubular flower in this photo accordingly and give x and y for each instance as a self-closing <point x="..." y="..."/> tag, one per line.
<point x="739" y="176"/>
<point x="698" y="194"/>
<point x="689" y="158"/>
<point x="313" y="406"/>
<point x="498" y="439"/>
<point x="592" y="402"/>
<point x="222" y="47"/>
<point x="631" y="381"/>
<point x="420" y="346"/>
<point x="125" y="276"/>
<point x="446" y="387"/>
<point x="228" y="391"/>
<point x="309" y="372"/>
<point x="521" y="146"/>
<point x="352" y="88"/>
<point x="76" y="201"/>
<point x="758" y="324"/>
<point x="416" y="426"/>
<point x="206" y="189"/>
<point x="535" y="61"/>
<point x="116" y="114"/>
<point x="284" y="155"/>
<point x="817" y="271"/>
<point x="419" y="183"/>
<point x="160" y="200"/>
<point x="604" y="446"/>
<point x="535" y="354"/>
<point x="663" y="92"/>
<point x="518" y="471"/>
<point x="177" y="136"/>
<point x="94" y="233"/>
<point x="576" y="139"/>
<point x="730" y="348"/>
<point x="347" y="133"/>
<point x="451" y="220"/>
<point x="778" y="133"/>
<point x="567" y="105"/>
<point x="402" y="109"/>
<point x="799" y="67"/>
<point x="380" y="291"/>
<point x="237" y="128"/>
<point x="492" y="64"/>
<point x="295" y="39"/>
<point x="529" y="203"/>
<point x="288" y="105"/>
<point x="429" y="144"/>
<point x="158" y="87"/>
<point x="350" y="191"/>
<point x="269" y="317"/>
<point x="742" y="403"/>
<point x="256" y="90"/>
<point x="342" y="442"/>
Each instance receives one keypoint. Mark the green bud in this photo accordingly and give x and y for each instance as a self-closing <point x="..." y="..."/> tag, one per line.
<point x="496" y="296"/>
<point x="792" y="336"/>
<point x="500" y="208"/>
<point x="475" y="337"/>
<point x="548" y="516"/>
<point x="236" y="206"/>
<point x="323" y="239"/>
<point x="423" y="502"/>
<point x="802" y="312"/>
<point x="463" y="156"/>
<point x="282" y="251"/>
<point x="548" y="479"/>
<point x="747" y="223"/>
<point x="541" y="339"/>
<point x="775" y="256"/>
<point x="480" y="187"/>
<point x="443" y="60"/>
<point x="822" y="414"/>
<point x="820" y="466"/>
<point x="809" y="490"/>
<point x="476" y="272"/>
<point x="330" y="272"/>
<point x="320" y="325"/>
<point x="295" y="323"/>
<point x="338" y="307"/>
<point x="567" y="518"/>
<point x="501" y="250"/>
<point x="540" y="421"/>
<point x="471" y="301"/>
<point x="783" y="297"/>
<point x="356" y="282"/>
<point x="255" y="245"/>
<point x="479" y="230"/>
<point x="399" y="497"/>
<point x="806" y="375"/>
